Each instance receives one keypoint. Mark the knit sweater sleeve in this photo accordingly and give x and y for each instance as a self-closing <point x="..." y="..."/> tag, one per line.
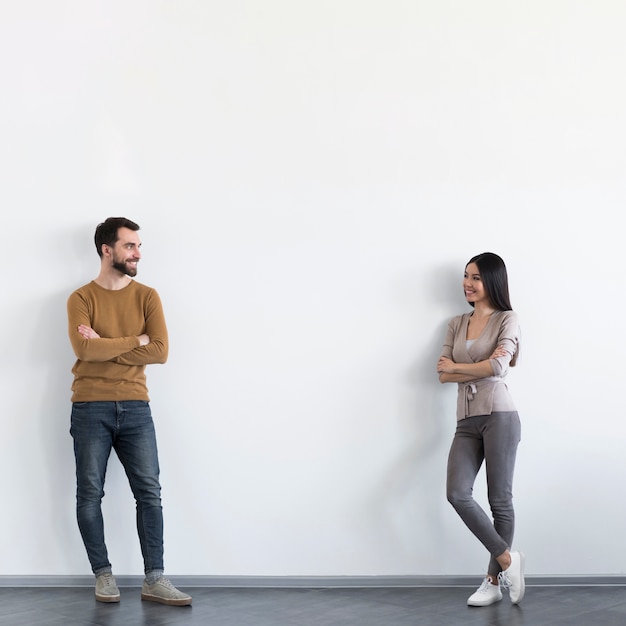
<point x="452" y="335"/>
<point x="508" y="338"/>
<point x="157" y="350"/>
<point x="93" y="350"/>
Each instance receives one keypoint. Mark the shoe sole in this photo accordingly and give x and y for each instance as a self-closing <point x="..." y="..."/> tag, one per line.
<point x="484" y="603"/>
<point x="107" y="598"/>
<point x="522" y="589"/>
<point x="168" y="601"/>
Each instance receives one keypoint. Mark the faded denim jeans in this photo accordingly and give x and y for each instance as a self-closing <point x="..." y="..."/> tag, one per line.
<point x="126" y="427"/>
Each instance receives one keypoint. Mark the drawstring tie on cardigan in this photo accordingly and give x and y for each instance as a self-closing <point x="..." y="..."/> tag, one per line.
<point x="470" y="390"/>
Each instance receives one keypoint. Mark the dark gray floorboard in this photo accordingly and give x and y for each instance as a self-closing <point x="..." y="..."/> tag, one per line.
<point x="439" y="606"/>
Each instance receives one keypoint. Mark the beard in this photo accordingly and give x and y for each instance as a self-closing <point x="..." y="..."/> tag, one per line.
<point x="122" y="267"/>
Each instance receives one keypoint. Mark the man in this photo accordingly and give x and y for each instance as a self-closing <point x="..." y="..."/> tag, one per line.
<point x="117" y="327"/>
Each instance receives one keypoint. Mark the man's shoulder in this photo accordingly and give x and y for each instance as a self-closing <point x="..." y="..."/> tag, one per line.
<point x="141" y="287"/>
<point x="83" y="290"/>
<point x="93" y="287"/>
<point x="92" y="293"/>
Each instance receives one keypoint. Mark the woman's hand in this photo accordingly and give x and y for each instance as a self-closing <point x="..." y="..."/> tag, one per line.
<point x="498" y="352"/>
<point x="445" y="365"/>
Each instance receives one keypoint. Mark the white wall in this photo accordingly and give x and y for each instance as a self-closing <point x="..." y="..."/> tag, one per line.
<point x="310" y="178"/>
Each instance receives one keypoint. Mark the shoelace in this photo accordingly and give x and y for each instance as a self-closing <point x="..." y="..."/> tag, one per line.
<point x="485" y="585"/>
<point x="504" y="580"/>
<point x="165" y="582"/>
<point x="107" y="579"/>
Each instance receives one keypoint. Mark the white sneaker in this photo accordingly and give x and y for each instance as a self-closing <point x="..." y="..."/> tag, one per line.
<point x="485" y="595"/>
<point x="513" y="577"/>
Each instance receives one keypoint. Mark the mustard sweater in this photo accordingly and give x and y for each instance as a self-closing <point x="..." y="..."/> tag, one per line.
<point x="112" y="368"/>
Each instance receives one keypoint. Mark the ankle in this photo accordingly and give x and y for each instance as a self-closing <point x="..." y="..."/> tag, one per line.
<point x="504" y="560"/>
<point x="153" y="575"/>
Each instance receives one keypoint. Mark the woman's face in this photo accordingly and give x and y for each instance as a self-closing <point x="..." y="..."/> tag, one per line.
<point x="473" y="285"/>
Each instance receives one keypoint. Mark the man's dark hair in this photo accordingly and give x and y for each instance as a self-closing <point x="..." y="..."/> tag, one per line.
<point x="106" y="232"/>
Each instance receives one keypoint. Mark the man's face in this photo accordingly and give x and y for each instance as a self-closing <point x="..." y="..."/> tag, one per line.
<point x="125" y="254"/>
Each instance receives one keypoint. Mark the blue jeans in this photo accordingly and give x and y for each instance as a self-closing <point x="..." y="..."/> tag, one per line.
<point x="493" y="439"/>
<point x="126" y="427"/>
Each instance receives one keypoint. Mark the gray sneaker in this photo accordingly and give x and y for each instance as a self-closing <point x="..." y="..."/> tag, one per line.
<point x="164" y="592"/>
<point x="106" y="588"/>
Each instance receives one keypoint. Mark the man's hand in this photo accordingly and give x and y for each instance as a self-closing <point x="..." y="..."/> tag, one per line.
<point x="87" y="332"/>
<point x="144" y="340"/>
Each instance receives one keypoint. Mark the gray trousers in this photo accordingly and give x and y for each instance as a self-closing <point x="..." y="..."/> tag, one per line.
<point x="493" y="439"/>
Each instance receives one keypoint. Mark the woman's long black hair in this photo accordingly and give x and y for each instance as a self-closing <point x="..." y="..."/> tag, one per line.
<point x="495" y="279"/>
<point x="496" y="282"/>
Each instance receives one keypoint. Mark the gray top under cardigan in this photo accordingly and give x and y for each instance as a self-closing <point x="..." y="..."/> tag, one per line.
<point x="483" y="396"/>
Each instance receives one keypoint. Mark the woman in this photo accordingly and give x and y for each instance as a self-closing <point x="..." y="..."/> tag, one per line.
<point x="478" y="350"/>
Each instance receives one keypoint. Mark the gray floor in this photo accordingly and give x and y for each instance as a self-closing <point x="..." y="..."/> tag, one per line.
<point x="439" y="606"/>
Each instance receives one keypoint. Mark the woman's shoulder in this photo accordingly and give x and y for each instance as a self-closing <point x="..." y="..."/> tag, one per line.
<point x="457" y="320"/>
<point x="508" y="316"/>
<point x="508" y="322"/>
